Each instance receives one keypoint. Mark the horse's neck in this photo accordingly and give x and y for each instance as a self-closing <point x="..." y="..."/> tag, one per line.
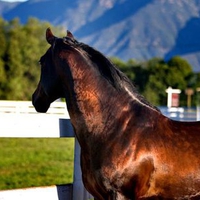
<point x="98" y="108"/>
<point x="94" y="104"/>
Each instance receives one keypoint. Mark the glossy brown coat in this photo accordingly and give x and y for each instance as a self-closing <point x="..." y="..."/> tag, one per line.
<point x="129" y="150"/>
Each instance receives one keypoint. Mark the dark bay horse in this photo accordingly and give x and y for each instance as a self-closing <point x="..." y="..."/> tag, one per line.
<point x="129" y="150"/>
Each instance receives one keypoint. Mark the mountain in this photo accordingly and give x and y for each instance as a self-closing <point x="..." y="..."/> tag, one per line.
<point x="138" y="29"/>
<point x="5" y="6"/>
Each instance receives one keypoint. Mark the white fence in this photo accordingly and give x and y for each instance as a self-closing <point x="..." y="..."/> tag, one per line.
<point x="19" y="119"/>
<point x="181" y="114"/>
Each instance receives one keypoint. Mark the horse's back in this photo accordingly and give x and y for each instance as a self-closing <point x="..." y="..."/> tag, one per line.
<point x="176" y="158"/>
<point x="186" y="131"/>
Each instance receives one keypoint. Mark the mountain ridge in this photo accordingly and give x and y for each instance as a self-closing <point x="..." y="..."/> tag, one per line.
<point x="128" y="29"/>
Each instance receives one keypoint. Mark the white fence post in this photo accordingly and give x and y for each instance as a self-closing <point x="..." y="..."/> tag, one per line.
<point x="79" y="191"/>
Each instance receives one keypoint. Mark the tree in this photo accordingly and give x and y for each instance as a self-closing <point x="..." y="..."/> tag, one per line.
<point x="156" y="84"/>
<point x="2" y="52"/>
<point x="197" y="80"/>
<point x="14" y="67"/>
<point x="179" y="73"/>
<point x="22" y="47"/>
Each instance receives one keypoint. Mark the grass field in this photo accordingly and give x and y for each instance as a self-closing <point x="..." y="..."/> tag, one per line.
<point x="35" y="162"/>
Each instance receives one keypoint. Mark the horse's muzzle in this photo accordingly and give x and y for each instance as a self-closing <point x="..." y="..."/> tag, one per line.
<point x="40" y="106"/>
<point x="40" y="101"/>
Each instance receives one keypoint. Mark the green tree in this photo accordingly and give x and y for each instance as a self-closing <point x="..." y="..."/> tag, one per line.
<point x="13" y="60"/>
<point x="179" y="73"/>
<point x="2" y="53"/>
<point x="197" y="80"/>
<point x="22" y="47"/>
<point x="156" y="84"/>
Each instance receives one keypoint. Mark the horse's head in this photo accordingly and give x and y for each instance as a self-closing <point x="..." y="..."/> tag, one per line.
<point x="49" y="87"/>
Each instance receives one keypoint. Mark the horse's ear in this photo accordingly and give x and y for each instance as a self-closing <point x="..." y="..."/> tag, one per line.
<point x="49" y="36"/>
<point x="70" y="35"/>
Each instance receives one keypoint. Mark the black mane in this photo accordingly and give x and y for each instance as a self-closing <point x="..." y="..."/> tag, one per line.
<point x="107" y="68"/>
<point x="118" y="79"/>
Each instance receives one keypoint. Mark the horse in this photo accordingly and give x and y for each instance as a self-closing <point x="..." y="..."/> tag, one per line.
<point x="129" y="149"/>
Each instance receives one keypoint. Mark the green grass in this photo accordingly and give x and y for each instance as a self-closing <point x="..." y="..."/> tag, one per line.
<point x="35" y="162"/>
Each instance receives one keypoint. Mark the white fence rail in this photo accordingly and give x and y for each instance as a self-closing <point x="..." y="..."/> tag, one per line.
<point x="181" y="114"/>
<point x="19" y="119"/>
<point x="198" y="113"/>
<point x="38" y="193"/>
<point x="26" y="107"/>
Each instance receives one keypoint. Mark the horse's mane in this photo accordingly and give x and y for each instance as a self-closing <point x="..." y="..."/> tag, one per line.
<point x="106" y="67"/>
<point x="109" y="71"/>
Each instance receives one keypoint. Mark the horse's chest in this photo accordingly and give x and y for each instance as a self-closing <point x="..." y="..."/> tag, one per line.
<point x="106" y="173"/>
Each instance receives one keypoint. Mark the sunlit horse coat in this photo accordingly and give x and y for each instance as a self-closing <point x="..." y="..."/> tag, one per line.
<point x="129" y="150"/>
